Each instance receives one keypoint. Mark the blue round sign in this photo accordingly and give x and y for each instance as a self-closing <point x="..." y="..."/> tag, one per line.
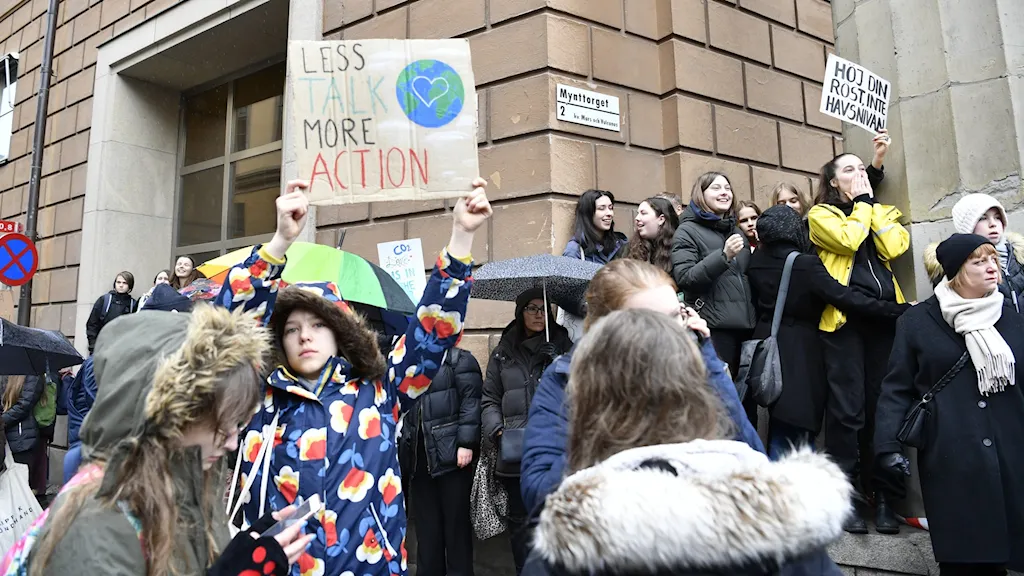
<point x="430" y="93"/>
<point x="18" y="259"/>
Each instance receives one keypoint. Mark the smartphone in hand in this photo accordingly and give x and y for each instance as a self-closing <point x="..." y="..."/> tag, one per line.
<point x="301" y="514"/>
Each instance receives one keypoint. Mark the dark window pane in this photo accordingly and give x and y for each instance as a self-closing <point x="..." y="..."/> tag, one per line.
<point x="201" y="257"/>
<point x="255" y="185"/>
<point x="258" y="101"/>
<point x="202" y="197"/>
<point x="205" y="115"/>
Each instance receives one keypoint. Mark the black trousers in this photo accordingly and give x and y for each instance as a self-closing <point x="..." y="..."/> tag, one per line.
<point x="444" y="532"/>
<point x="519" y="530"/>
<point x="947" y="569"/>
<point x="856" y="362"/>
<point x="728" y="345"/>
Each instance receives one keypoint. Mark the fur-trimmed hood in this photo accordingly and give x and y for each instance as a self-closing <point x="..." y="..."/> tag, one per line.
<point x="357" y="342"/>
<point x="934" y="269"/>
<point x="154" y="369"/>
<point x="703" y="505"/>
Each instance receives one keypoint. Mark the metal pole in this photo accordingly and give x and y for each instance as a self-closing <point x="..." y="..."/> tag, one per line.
<point x="38" y="140"/>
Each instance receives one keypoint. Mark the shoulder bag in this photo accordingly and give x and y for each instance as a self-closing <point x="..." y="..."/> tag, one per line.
<point x="911" y="431"/>
<point x="760" y="370"/>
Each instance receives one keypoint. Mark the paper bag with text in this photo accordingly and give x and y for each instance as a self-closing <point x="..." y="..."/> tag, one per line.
<point x="378" y="120"/>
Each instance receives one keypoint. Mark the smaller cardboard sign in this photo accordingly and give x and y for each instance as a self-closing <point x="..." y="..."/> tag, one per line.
<point x="381" y="120"/>
<point x="587" y="108"/>
<point x="855" y="94"/>
<point x="403" y="259"/>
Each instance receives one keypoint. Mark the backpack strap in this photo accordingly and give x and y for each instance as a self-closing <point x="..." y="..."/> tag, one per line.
<point x="780" y="300"/>
<point x="453" y="357"/>
<point x="106" y="306"/>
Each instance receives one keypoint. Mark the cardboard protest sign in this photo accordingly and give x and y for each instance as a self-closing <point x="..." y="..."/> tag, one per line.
<point x="854" y="94"/>
<point x="403" y="259"/>
<point x="379" y="120"/>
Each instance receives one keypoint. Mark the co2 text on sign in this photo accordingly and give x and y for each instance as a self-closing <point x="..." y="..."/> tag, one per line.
<point x="587" y="108"/>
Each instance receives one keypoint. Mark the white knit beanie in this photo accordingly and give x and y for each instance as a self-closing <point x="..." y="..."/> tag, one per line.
<point x="969" y="209"/>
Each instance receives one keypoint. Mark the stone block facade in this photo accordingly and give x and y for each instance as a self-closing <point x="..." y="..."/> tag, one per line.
<point x="82" y="26"/>
<point x="702" y="84"/>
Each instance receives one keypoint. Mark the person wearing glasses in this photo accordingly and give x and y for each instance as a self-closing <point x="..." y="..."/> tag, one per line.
<point x="513" y="373"/>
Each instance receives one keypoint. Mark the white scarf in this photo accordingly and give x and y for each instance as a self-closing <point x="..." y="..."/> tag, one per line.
<point x="975" y="319"/>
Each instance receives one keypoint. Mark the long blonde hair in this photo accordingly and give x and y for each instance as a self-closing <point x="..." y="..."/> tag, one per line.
<point x="145" y="482"/>
<point x="616" y="282"/>
<point x="803" y="197"/>
<point x="637" y="379"/>
<point x="12" y="391"/>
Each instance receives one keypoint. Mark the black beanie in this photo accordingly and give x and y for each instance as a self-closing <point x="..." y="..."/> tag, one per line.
<point x="955" y="250"/>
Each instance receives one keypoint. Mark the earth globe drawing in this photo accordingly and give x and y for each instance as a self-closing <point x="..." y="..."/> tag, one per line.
<point x="430" y="93"/>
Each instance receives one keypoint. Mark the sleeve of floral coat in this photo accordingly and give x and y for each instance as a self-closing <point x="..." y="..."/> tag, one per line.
<point x="417" y="355"/>
<point x="252" y="285"/>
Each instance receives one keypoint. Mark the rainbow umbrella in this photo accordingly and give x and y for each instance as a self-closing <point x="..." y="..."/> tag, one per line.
<point x="358" y="279"/>
<point x="202" y="289"/>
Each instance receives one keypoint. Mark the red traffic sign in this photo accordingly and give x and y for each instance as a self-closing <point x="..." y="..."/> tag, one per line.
<point x="10" y="227"/>
<point x="18" y="259"/>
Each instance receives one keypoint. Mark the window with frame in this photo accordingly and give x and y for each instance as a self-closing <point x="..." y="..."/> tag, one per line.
<point x="230" y="164"/>
<point x="8" y="96"/>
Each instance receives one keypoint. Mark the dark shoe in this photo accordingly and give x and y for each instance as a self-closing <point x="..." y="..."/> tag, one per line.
<point x="855" y="525"/>
<point x="885" y="520"/>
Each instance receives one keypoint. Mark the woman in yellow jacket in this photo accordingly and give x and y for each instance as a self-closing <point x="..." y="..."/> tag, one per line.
<point x="856" y="238"/>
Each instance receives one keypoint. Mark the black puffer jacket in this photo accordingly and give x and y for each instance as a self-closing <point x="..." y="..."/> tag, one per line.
<point x="107" y="308"/>
<point x="515" y="369"/>
<point x="446" y="417"/>
<point x="702" y="273"/>
<point x="19" y="423"/>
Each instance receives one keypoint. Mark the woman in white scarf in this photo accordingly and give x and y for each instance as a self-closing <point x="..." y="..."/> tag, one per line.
<point x="970" y="462"/>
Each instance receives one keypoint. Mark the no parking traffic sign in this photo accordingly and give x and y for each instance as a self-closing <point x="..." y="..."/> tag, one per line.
<point x="18" y="259"/>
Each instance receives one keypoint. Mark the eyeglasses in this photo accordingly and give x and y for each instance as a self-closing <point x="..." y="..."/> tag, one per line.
<point x="531" y="309"/>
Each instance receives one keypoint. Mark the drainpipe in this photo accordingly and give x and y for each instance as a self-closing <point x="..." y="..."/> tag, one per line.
<point x="38" y="140"/>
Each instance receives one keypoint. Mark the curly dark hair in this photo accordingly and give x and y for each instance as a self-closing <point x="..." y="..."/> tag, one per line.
<point x="658" y="250"/>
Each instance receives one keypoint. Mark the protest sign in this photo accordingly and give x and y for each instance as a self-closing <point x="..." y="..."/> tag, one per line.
<point x="378" y="120"/>
<point x="404" y="261"/>
<point x="854" y="94"/>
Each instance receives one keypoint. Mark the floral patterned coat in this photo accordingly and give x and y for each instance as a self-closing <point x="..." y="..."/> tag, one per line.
<point x="338" y="441"/>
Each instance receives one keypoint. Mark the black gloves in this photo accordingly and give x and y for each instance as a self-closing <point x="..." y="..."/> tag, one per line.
<point x="892" y="468"/>
<point x="549" y="351"/>
<point x="247" y="555"/>
<point x="894" y="463"/>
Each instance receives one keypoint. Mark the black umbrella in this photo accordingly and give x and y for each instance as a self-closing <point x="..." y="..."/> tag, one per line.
<point x="31" y="351"/>
<point x="564" y="279"/>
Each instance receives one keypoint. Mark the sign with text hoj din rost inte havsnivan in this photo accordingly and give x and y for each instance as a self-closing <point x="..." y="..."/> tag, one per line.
<point x="379" y="120"/>
<point x="855" y="94"/>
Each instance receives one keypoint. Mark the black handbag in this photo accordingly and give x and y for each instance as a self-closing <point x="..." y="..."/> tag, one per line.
<point x="911" y="431"/>
<point x="760" y="369"/>
<point x="510" y="452"/>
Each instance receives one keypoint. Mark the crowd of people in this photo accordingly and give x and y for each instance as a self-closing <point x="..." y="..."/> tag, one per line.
<point x="615" y="435"/>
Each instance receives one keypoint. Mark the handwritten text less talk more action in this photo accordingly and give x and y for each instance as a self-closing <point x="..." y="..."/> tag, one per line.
<point x="343" y="119"/>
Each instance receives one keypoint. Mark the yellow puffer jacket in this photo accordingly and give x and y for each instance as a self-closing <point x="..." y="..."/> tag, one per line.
<point x="838" y="236"/>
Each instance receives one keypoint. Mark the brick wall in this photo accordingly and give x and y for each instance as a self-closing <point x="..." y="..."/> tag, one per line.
<point x="82" y="26"/>
<point x="729" y="84"/>
<point x="702" y="84"/>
